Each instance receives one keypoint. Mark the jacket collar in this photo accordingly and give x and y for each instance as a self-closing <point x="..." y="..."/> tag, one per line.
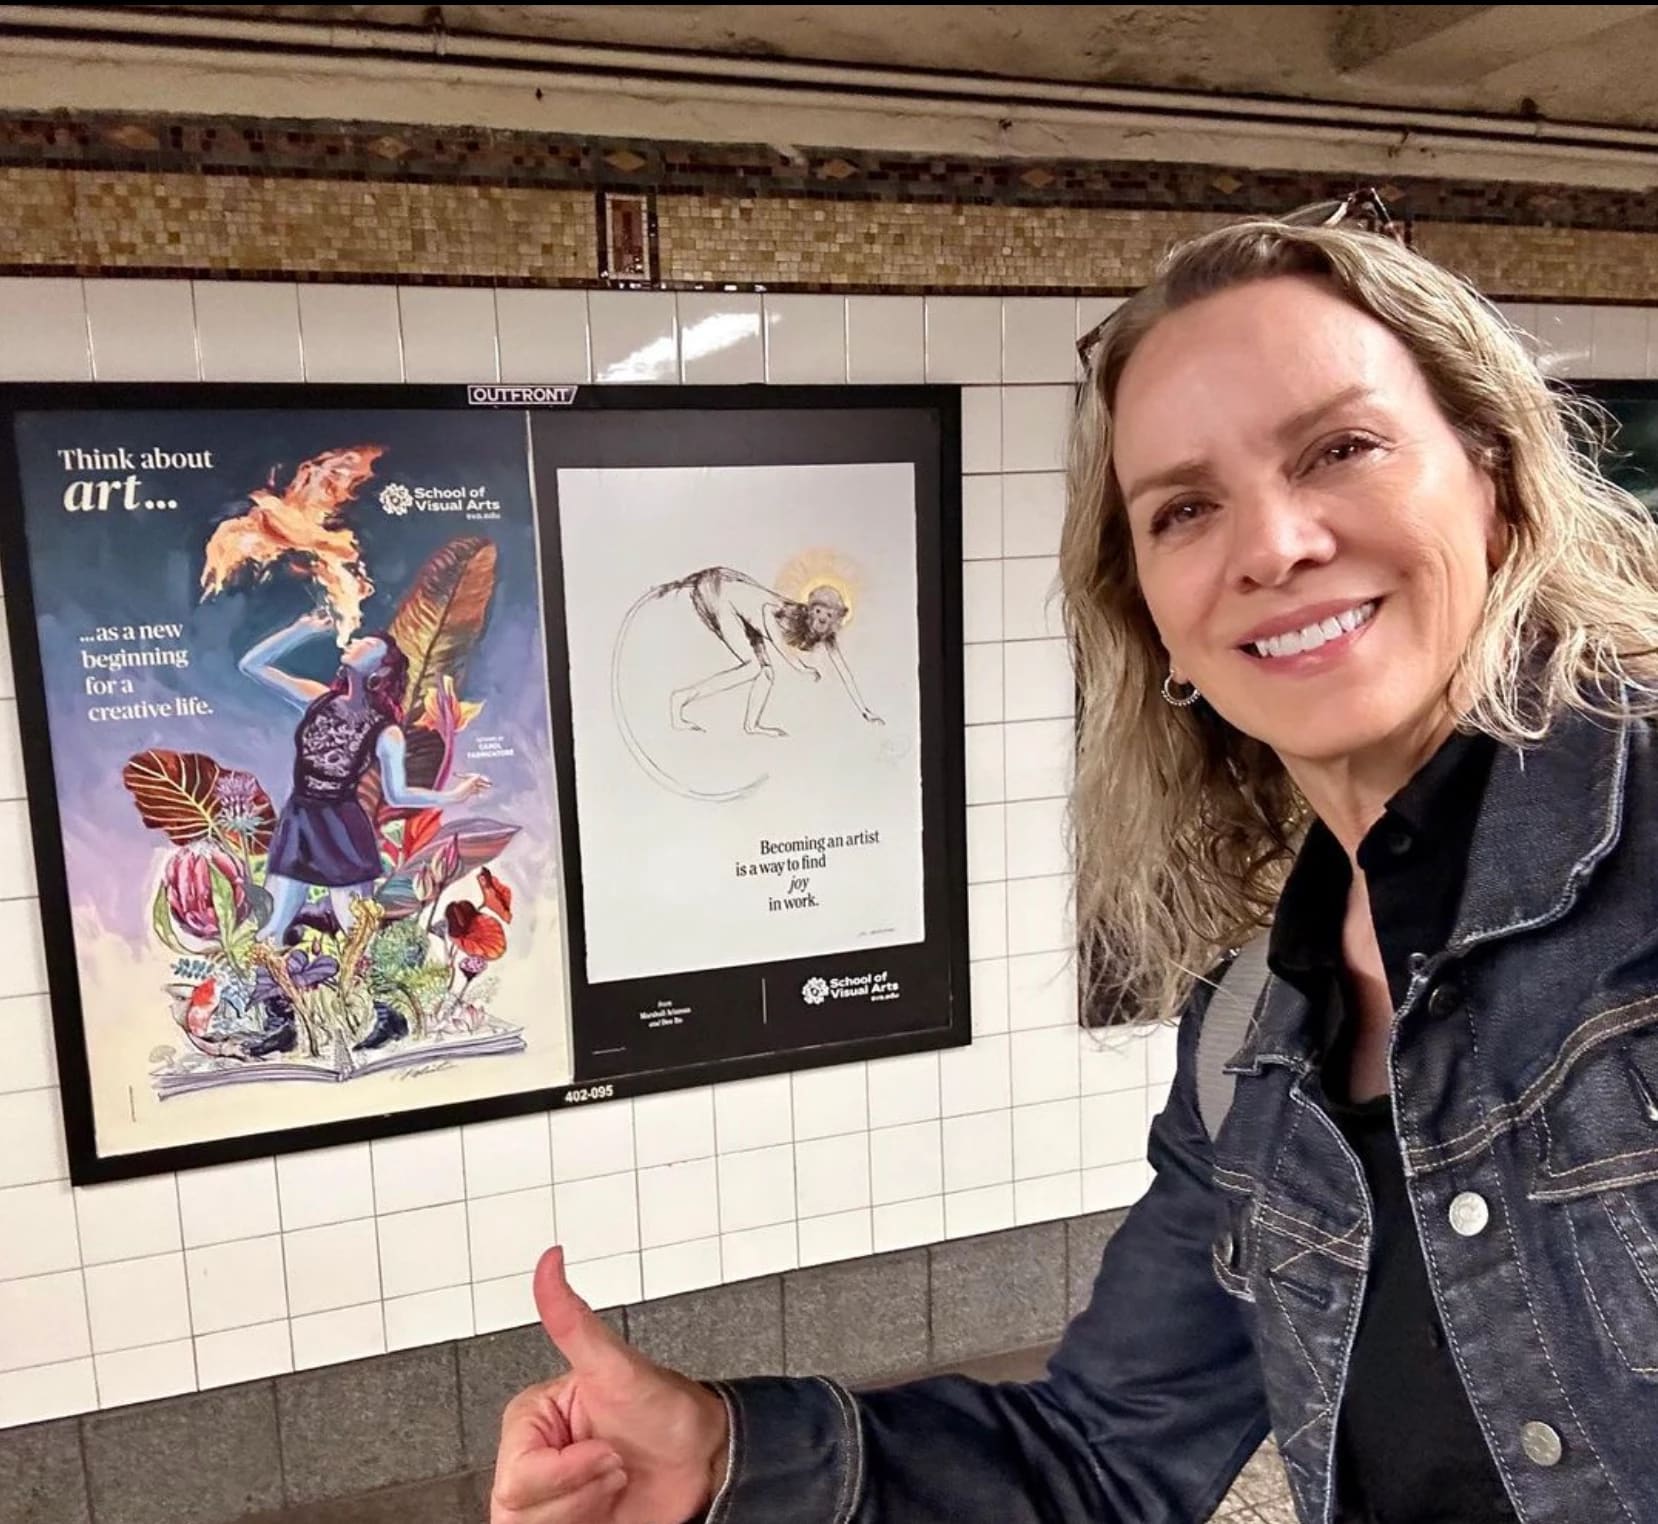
<point x="1548" y="817"/>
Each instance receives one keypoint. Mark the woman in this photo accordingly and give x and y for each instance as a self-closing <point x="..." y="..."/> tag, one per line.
<point x="324" y="837"/>
<point x="1343" y="591"/>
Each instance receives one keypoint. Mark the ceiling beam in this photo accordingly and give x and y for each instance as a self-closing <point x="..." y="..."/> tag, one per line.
<point x="1448" y="44"/>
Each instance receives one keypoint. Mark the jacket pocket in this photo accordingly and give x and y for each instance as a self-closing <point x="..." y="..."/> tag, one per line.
<point x="1232" y="1249"/>
<point x="1597" y="1173"/>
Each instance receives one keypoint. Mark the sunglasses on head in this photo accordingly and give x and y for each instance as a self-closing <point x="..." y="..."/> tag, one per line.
<point x="1362" y="209"/>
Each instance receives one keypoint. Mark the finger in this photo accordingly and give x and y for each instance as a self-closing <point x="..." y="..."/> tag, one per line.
<point x="586" y="1341"/>
<point x="548" y="1476"/>
<point x="593" y="1504"/>
<point x="532" y="1423"/>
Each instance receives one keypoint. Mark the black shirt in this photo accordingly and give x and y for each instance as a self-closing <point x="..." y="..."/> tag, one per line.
<point x="1409" y="1450"/>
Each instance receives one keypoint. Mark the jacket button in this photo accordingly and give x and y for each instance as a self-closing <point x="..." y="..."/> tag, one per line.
<point x="1469" y="1214"/>
<point x="1541" y="1444"/>
<point x="1444" y="1000"/>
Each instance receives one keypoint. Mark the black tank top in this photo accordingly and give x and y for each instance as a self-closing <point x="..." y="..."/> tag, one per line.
<point x="333" y="747"/>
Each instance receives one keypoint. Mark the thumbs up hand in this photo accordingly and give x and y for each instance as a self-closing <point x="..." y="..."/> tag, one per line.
<point x="617" y="1440"/>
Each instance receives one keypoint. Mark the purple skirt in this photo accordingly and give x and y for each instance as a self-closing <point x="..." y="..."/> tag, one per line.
<point x="318" y="842"/>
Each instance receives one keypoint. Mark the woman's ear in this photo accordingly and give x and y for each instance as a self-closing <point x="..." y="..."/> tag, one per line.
<point x="1490" y="468"/>
<point x="1499" y="535"/>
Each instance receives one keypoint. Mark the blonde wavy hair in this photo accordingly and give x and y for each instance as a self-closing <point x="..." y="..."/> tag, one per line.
<point x="1183" y="827"/>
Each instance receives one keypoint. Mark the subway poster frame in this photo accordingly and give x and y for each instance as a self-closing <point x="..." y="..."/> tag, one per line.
<point x="1630" y="456"/>
<point x="399" y="757"/>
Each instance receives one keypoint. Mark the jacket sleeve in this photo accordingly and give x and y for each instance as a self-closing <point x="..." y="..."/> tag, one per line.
<point x="1149" y="1408"/>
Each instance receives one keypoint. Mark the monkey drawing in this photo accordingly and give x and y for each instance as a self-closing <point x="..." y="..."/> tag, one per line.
<point x="755" y="625"/>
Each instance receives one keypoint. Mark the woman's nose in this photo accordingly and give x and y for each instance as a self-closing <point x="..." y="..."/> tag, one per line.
<point x="1274" y="535"/>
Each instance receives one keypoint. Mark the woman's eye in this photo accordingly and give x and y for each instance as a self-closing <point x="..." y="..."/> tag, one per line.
<point x="1348" y="447"/>
<point x="1178" y="515"/>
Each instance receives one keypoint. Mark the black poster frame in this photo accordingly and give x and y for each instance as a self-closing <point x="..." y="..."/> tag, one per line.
<point x="828" y="417"/>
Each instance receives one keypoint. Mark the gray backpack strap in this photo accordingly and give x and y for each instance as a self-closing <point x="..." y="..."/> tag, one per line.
<point x="1226" y="1024"/>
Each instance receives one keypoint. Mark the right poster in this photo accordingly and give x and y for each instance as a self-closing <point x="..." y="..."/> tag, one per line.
<point x="752" y="731"/>
<point x="1631" y="456"/>
<point x="754" y="713"/>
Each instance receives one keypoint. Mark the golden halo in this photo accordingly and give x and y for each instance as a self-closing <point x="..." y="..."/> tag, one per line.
<point x="816" y="569"/>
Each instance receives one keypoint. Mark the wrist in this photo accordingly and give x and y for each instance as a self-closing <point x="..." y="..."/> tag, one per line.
<point x="717" y="1452"/>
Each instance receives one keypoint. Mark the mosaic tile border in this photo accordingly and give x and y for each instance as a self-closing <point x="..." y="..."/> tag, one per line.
<point x="167" y="223"/>
<point x="525" y="160"/>
<point x="655" y="217"/>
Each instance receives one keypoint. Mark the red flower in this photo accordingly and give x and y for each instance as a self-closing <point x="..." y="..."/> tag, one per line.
<point x="474" y="931"/>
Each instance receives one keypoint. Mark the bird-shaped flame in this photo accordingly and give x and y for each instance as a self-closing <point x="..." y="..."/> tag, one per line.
<point x="301" y="526"/>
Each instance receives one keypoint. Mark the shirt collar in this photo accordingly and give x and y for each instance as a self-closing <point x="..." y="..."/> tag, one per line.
<point x="1439" y="803"/>
<point x="1549" y="815"/>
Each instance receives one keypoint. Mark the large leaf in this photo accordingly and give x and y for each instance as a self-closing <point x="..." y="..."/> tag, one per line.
<point x="174" y="792"/>
<point x="260" y="905"/>
<point x="239" y="944"/>
<point x="442" y="615"/>
<point x="161" y="919"/>
<point x="476" y="841"/>
<point x="224" y="901"/>
<point x="420" y="829"/>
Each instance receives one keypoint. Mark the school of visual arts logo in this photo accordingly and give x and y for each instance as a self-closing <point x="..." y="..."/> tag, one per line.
<point x="874" y="986"/>
<point x="396" y="499"/>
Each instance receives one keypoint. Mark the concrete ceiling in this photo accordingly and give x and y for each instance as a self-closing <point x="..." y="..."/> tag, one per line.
<point x="1563" y="63"/>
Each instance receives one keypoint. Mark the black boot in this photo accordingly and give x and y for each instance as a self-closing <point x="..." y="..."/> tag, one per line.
<point x="389" y="1025"/>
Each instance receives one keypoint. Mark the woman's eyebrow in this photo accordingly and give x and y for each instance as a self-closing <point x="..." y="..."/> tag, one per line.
<point x="1188" y="473"/>
<point x="1198" y="472"/>
<point x="1300" y="422"/>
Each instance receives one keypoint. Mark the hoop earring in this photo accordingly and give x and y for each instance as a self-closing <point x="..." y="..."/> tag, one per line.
<point x="1185" y="702"/>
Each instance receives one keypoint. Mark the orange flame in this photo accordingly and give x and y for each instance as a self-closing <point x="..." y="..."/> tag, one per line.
<point x="302" y="525"/>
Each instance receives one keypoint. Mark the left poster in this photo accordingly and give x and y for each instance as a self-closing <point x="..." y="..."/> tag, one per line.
<point x="294" y="678"/>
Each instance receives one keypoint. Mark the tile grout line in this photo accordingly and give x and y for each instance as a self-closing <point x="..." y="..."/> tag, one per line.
<point x="288" y="1323"/>
<point x="379" y="1254"/>
<point x="719" y="1204"/>
<point x="466" y="1220"/>
<point x="184" y="1266"/>
<point x="287" y="1293"/>
<point x="638" y="1203"/>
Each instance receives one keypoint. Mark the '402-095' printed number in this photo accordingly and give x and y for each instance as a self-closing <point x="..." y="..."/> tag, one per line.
<point x="589" y="1093"/>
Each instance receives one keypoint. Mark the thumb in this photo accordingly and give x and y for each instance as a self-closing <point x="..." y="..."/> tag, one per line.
<point x="584" y="1339"/>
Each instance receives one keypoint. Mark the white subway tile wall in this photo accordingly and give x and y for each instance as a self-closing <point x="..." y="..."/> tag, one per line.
<point x="542" y="335"/>
<point x="120" y="1293"/>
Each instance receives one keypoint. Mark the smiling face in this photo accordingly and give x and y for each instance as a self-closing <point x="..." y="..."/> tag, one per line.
<point x="1311" y="538"/>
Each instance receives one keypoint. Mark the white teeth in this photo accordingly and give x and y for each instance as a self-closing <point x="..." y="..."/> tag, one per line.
<point x="1315" y="635"/>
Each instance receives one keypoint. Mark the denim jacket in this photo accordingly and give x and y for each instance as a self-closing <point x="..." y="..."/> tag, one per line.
<point x="1524" y="1063"/>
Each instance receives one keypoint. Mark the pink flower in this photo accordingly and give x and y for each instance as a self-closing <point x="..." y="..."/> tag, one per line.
<point x="189" y="880"/>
